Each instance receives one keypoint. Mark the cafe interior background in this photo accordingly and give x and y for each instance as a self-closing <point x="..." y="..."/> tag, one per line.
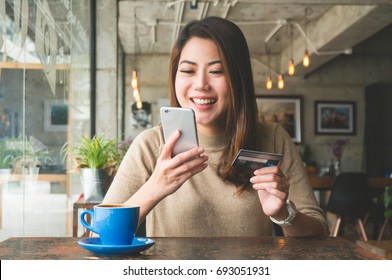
<point x="68" y="69"/>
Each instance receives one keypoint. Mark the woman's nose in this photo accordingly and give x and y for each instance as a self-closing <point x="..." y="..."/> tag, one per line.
<point x="201" y="82"/>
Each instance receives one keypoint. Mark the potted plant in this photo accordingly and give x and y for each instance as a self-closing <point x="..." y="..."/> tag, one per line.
<point x="306" y="154"/>
<point x="96" y="159"/>
<point x="7" y="157"/>
<point x="30" y="154"/>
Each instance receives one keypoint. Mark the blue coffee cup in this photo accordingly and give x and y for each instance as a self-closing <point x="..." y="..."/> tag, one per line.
<point x="115" y="224"/>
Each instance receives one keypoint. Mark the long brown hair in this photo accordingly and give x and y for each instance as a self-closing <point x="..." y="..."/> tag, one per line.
<point x="241" y="119"/>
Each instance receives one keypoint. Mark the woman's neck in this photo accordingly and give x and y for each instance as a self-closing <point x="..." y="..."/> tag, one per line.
<point x="208" y="130"/>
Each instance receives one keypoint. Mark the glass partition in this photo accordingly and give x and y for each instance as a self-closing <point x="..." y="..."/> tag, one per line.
<point x="44" y="103"/>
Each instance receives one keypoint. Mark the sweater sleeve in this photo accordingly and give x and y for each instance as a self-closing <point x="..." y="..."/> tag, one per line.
<point x="300" y="192"/>
<point x="137" y="165"/>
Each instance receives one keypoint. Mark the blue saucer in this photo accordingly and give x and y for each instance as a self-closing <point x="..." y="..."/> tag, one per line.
<point x="94" y="245"/>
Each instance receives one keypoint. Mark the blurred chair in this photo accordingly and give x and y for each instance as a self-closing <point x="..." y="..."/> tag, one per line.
<point x="388" y="210"/>
<point x="350" y="197"/>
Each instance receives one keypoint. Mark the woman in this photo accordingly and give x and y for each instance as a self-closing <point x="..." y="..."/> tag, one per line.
<point x="198" y="192"/>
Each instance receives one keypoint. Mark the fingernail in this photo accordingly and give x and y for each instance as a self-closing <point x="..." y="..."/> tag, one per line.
<point x="200" y="149"/>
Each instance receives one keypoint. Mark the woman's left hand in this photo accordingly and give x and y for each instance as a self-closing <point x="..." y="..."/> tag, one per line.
<point x="272" y="187"/>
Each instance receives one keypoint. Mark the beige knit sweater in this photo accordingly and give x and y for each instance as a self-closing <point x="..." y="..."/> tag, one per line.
<point x="206" y="205"/>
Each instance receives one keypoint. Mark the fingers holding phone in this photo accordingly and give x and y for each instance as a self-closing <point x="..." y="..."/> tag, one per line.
<point x="176" y="119"/>
<point x="181" y="157"/>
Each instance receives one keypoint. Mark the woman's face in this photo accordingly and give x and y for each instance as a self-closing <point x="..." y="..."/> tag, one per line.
<point x="201" y="84"/>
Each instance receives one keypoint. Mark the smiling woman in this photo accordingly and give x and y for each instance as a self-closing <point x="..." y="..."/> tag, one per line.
<point x="208" y="76"/>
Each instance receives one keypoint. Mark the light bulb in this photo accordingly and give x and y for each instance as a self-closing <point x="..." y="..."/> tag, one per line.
<point x="291" y="69"/>
<point x="134" y="79"/>
<point x="136" y="94"/>
<point x="280" y="82"/>
<point x="139" y="104"/>
<point x="268" y="84"/>
<point x="306" y="60"/>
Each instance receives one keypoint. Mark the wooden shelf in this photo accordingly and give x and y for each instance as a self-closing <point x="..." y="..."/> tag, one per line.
<point x="31" y="66"/>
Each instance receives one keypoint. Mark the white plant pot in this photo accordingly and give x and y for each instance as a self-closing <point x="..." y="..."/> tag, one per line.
<point x="5" y="175"/>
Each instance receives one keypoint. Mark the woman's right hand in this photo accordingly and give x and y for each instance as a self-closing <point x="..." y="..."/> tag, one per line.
<point x="171" y="172"/>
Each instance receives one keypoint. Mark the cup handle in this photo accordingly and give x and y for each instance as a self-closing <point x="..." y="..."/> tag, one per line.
<point x="83" y="221"/>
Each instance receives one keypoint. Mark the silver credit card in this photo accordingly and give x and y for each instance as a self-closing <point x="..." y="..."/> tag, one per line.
<point x="255" y="159"/>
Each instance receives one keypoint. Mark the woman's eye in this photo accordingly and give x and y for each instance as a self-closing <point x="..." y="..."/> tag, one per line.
<point x="187" y="71"/>
<point x="220" y="71"/>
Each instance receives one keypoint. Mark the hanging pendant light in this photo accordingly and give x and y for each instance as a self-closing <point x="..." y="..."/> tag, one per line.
<point x="135" y="82"/>
<point x="291" y="69"/>
<point x="306" y="59"/>
<point x="268" y="84"/>
<point x="280" y="81"/>
<point x="136" y="94"/>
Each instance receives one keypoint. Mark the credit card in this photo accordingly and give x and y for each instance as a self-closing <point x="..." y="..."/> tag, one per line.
<point x="255" y="159"/>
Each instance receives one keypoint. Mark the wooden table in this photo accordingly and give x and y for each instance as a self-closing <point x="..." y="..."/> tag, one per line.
<point x="382" y="247"/>
<point x="226" y="248"/>
<point x="327" y="182"/>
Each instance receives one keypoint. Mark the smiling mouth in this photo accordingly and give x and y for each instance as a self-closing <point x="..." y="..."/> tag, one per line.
<point x="203" y="101"/>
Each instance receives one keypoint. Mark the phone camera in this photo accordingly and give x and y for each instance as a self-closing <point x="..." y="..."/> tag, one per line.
<point x="166" y="111"/>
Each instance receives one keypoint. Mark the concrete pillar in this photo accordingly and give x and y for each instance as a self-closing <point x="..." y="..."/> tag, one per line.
<point x="106" y="68"/>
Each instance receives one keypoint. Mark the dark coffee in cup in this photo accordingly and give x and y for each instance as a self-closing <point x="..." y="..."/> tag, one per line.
<point x="112" y="205"/>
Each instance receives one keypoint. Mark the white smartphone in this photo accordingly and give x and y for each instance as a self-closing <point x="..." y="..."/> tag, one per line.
<point x="183" y="119"/>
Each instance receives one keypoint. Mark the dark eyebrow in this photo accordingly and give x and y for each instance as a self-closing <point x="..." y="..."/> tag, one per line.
<point x="193" y="63"/>
<point x="187" y="61"/>
<point x="214" y="62"/>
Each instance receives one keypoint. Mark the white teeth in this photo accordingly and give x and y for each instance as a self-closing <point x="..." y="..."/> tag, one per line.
<point x="203" y="101"/>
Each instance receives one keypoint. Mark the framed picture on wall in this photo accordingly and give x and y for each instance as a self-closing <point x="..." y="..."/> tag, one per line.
<point x="284" y="110"/>
<point x="141" y="117"/>
<point x="335" y="117"/>
<point x="55" y="115"/>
